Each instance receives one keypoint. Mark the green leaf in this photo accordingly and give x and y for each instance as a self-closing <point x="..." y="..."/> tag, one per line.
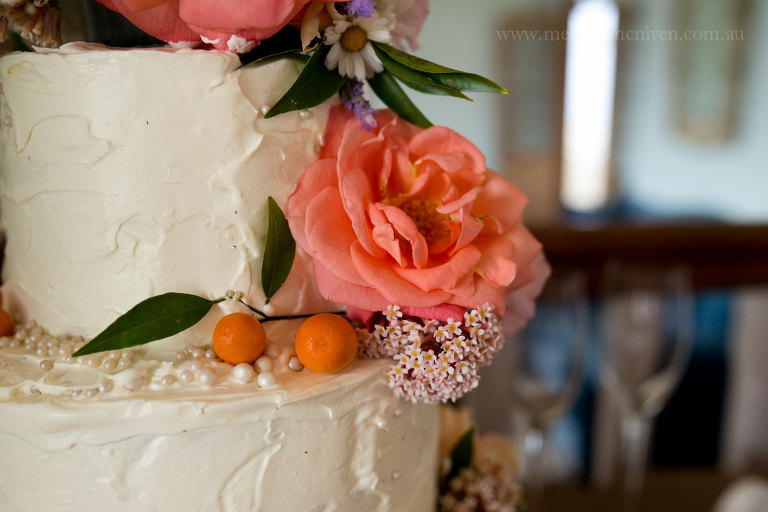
<point x="153" y="319"/>
<point x="447" y="77"/>
<point x="416" y="80"/>
<point x="461" y="455"/>
<point x="385" y="86"/>
<point x="315" y="84"/>
<point x="279" y="251"/>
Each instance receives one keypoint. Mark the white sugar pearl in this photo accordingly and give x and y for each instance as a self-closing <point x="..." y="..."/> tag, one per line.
<point x="126" y="353"/>
<point x="34" y="390"/>
<point x="92" y="392"/>
<point x="195" y="366"/>
<point x="46" y="365"/>
<point x="264" y="110"/>
<point x="398" y="413"/>
<point x="42" y="351"/>
<point x="273" y="350"/>
<point x="186" y="376"/>
<point x="243" y="373"/>
<point x="79" y="345"/>
<point x="167" y="380"/>
<point x="396" y="474"/>
<point x="65" y="350"/>
<point x="264" y="364"/>
<point x="294" y="364"/>
<point x="52" y="342"/>
<point x="33" y="337"/>
<point x="30" y="325"/>
<point x="198" y="353"/>
<point x="207" y="376"/>
<point x="14" y="344"/>
<point x="318" y="148"/>
<point x="304" y="115"/>
<point x="53" y="352"/>
<point x="29" y="346"/>
<point x="266" y="379"/>
<point x="181" y="356"/>
<point x="114" y="354"/>
<point x="381" y="422"/>
<point x="82" y="360"/>
<point x="124" y="363"/>
<point x="71" y="360"/>
<point x="105" y="387"/>
<point x="210" y="354"/>
<point x="92" y="362"/>
<point x="110" y="364"/>
<point x="76" y="392"/>
<point x="20" y="335"/>
<point x="5" y="341"/>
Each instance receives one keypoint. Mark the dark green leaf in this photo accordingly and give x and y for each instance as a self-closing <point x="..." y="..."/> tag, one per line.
<point x="416" y="80"/>
<point x="315" y="84"/>
<point x="279" y="251"/>
<point x="447" y="77"/>
<point x="153" y="319"/>
<point x="385" y="86"/>
<point x="461" y="455"/>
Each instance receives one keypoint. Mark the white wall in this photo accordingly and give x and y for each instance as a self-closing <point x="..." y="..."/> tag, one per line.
<point x="665" y="173"/>
<point x="660" y="171"/>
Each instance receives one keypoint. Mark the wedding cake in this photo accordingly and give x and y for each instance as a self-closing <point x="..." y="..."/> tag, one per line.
<point x="149" y="194"/>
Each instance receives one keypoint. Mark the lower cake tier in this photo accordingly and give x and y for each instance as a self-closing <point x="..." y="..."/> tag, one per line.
<point x="143" y="435"/>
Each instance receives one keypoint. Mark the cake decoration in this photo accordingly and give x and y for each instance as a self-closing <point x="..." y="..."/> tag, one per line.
<point x="326" y="343"/>
<point x="239" y="338"/>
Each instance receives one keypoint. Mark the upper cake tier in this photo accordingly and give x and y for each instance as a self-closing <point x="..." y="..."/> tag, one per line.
<point x="130" y="173"/>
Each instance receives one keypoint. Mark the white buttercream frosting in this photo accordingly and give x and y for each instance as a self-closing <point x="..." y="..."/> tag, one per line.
<point x="130" y="173"/>
<point x="310" y="442"/>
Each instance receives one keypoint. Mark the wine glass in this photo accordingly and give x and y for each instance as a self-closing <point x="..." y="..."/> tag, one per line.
<point x="648" y="317"/>
<point x="544" y="365"/>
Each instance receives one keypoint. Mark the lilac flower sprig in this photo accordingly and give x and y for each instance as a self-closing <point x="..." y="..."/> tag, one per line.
<point x="364" y="8"/>
<point x="353" y="96"/>
<point x="435" y="361"/>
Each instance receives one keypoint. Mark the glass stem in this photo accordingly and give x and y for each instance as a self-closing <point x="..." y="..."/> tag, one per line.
<point x="535" y="470"/>
<point x="636" y="432"/>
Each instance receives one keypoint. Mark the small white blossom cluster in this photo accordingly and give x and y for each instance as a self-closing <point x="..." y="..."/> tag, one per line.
<point x="435" y="361"/>
<point x="486" y="486"/>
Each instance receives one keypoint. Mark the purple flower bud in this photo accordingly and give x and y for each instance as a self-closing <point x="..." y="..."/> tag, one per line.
<point x="364" y="8"/>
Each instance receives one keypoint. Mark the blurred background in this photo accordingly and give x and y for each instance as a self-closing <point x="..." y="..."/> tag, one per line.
<point x="639" y="131"/>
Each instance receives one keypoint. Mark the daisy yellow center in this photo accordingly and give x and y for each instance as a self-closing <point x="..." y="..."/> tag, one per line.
<point x="426" y="217"/>
<point x="354" y="38"/>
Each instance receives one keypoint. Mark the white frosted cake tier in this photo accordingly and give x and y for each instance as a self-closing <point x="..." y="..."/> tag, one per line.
<point x="130" y="173"/>
<point x="337" y="442"/>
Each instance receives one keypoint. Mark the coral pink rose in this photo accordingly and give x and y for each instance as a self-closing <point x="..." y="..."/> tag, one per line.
<point x="410" y="217"/>
<point x="234" y="25"/>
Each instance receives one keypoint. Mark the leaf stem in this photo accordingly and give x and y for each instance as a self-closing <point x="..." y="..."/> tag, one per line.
<point x="267" y="318"/>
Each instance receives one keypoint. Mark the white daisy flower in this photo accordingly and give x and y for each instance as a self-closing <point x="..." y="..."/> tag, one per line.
<point x="351" y="50"/>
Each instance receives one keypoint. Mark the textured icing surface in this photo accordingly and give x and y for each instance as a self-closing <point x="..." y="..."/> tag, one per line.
<point x="130" y="173"/>
<point x="311" y="442"/>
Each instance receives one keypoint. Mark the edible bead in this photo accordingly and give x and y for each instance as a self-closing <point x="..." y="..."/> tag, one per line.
<point x="266" y="379"/>
<point x="92" y="362"/>
<point x="398" y="413"/>
<point x="207" y="376"/>
<point x="294" y="364"/>
<point x="92" y="392"/>
<point x="167" y="380"/>
<point x="198" y="353"/>
<point x="136" y="384"/>
<point x="46" y="365"/>
<point x="110" y="364"/>
<point x="181" y="356"/>
<point x="396" y="474"/>
<point x="195" y="366"/>
<point x="124" y="363"/>
<point x="264" y="364"/>
<point x="304" y="115"/>
<point x="273" y="350"/>
<point x="210" y="354"/>
<point x="105" y="387"/>
<point x="243" y="373"/>
<point x="186" y="376"/>
<point x="114" y="354"/>
<point x="127" y="353"/>
<point x="71" y="360"/>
